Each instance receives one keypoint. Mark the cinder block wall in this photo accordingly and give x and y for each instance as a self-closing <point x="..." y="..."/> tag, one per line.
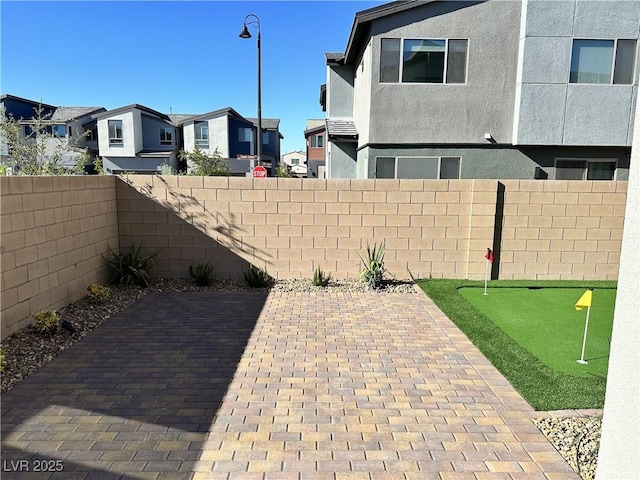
<point x="562" y="229"/>
<point x="437" y="228"/>
<point x="54" y="232"/>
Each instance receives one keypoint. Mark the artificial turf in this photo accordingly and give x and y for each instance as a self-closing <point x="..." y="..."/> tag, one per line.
<point x="544" y="387"/>
<point x="545" y="322"/>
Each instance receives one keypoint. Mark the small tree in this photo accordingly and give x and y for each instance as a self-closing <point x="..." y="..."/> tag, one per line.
<point x="283" y="171"/>
<point x="205" y="164"/>
<point x="39" y="152"/>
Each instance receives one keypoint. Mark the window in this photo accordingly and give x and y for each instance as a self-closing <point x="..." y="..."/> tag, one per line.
<point x="202" y="134"/>
<point x="423" y="61"/>
<point x="593" y="169"/>
<point x="317" y="141"/>
<point x="28" y="131"/>
<point x="265" y="138"/>
<point x="603" y="61"/>
<point x="245" y="134"/>
<point x="166" y="136"/>
<point x="91" y="134"/>
<point x="295" y="161"/>
<point x="418" y="167"/>
<point x="58" y="130"/>
<point x="115" y="133"/>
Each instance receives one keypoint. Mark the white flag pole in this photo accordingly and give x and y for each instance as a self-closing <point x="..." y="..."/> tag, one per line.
<point x="486" y="276"/>
<point x="584" y="341"/>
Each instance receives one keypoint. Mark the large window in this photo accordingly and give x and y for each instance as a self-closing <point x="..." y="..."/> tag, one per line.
<point x="603" y="61"/>
<point x="59" y="130"/>
<point x="115" y="133"/>
<point x="580" y="169"/>
<point x="166" y="136"/>
<point x="418" y="167"/>
<point x="423" y="61"/>
<point x="202" y="134"/>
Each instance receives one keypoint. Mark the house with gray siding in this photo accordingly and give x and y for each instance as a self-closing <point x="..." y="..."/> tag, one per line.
<point x="136" y="139"/>
<point x="484" y="89"/>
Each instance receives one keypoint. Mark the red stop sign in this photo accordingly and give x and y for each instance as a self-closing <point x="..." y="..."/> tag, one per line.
<point x="259" y="172"/>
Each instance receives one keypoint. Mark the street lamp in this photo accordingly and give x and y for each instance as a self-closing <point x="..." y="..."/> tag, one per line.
<point x="255" y="22"/>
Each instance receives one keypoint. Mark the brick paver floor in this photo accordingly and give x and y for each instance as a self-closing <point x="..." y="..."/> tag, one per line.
<point x="274" y="386"/>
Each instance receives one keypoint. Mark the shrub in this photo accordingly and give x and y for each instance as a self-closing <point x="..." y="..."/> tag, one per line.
<point x="320" y="279"/>
<point x="3" y="361"/>
<point x="98" y="294"/>
<point x="131" y="268"/>
<point x="46" y="322"/>
<point x="374" y="270"/>
<point x="257" y="277"/>
<point x="205" y="164"/>
<point x="202" y="274"/>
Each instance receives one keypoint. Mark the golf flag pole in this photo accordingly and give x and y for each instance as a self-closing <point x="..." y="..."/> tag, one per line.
<point x="585" y="302"/>
<point x="490" y="258"/>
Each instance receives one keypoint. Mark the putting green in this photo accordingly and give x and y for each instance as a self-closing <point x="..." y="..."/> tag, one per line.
<point x="546" y="323"/>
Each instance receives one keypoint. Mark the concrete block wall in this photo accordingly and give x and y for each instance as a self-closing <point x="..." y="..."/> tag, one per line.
<point x="437" y="228"/>
<point x="54" y="232"/>
<point x="567" y="230"/>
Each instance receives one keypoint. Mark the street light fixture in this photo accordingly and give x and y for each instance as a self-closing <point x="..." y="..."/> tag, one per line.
<point x="255" y="22"/>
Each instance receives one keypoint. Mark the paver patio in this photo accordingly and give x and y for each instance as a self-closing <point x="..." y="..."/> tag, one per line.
<point x="274" y="386"/>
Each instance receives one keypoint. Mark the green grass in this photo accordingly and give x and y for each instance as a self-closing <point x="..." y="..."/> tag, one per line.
<point x="543" y="386"/>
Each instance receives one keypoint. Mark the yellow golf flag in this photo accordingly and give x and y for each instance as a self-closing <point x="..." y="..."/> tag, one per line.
<point x="585" y="300"/>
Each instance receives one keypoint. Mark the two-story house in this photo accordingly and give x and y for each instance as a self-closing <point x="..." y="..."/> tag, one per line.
<point x="71" y="131"/>
<point x="484" y="89"/>
<point x="136" y="139"/>
<point x="296" y="163"/>
<point x="315" y="139"/>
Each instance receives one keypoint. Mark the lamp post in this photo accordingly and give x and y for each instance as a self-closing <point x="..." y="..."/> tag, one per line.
<point x="255" y="22"/>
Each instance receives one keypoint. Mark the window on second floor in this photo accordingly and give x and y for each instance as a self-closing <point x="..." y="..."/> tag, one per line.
<point x="603" y="61"/>
<point x="418" y="167"/>
<point x="115" y="133"/>
<point x="245" y="134"/>
<point x="580" y="169"/>
<point x="265" y="138"/>
<point x="166" y="136"/>
<point x="423" y="60"/>
<point x="90" y="134"/>
<point x="59" y="130"/>
<point x="295" y="161"/>
<point x="202" y="134"/>
<point x="317" y="141"/>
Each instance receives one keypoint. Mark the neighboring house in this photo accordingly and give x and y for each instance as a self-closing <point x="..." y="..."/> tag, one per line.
<point x="271" y="137"/>
<point x="224" y="131"/>
<point x="315" y="137"/>
<point x="136" y="139"/>
<point x="484" y="89"/>
<point x="296" y="162"/>
<point x="73" y="124"/>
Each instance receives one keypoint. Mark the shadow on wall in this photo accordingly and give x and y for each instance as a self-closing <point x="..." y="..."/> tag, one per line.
<point x="145" y="389"/>
<point x="183" y="232"/>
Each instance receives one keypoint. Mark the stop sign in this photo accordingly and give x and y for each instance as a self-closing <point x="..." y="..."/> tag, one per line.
<point x="259" y="172"/>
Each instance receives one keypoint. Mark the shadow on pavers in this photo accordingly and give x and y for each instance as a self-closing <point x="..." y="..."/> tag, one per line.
<point x="137" y="394"/>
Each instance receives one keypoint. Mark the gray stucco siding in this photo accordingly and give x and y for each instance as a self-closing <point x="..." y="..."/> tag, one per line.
<point x="132" y="164"/>
<point x="546" y="60"/>
<point x="496" y="162"/>
<point x="342" y="158"/>
<point x="151" y="134"/>
<point x="547" y="18"/>
<point x="606" y="19"/>
<point x="541" y="119"/>
<point x="449" y="113"/>
<point x="340" y="95"/>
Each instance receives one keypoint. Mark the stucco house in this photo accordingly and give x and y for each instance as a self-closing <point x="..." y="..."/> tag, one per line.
<point x="73" y="124"/>
<point x="484" y="89"/>
<point x="296" y="162"/>
<point x="136" y="139"/>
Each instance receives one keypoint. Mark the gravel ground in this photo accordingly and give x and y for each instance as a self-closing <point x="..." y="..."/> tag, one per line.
<point x="576" y="438"/>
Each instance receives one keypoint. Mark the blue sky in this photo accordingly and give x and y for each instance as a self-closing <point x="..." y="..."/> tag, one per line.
<point x="183" y="56"/>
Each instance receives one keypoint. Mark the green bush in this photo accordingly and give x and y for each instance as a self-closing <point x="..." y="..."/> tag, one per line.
<point x="320" y="279"/>
<point x="202" y="274"/>
<point x="373" y="266"/>
<point x="98" y="294"/>
<point x="204" y="164"/>
<point x="131" y="268"/>
<point x="257" y="277"/>
<point x="46" y="322"/>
